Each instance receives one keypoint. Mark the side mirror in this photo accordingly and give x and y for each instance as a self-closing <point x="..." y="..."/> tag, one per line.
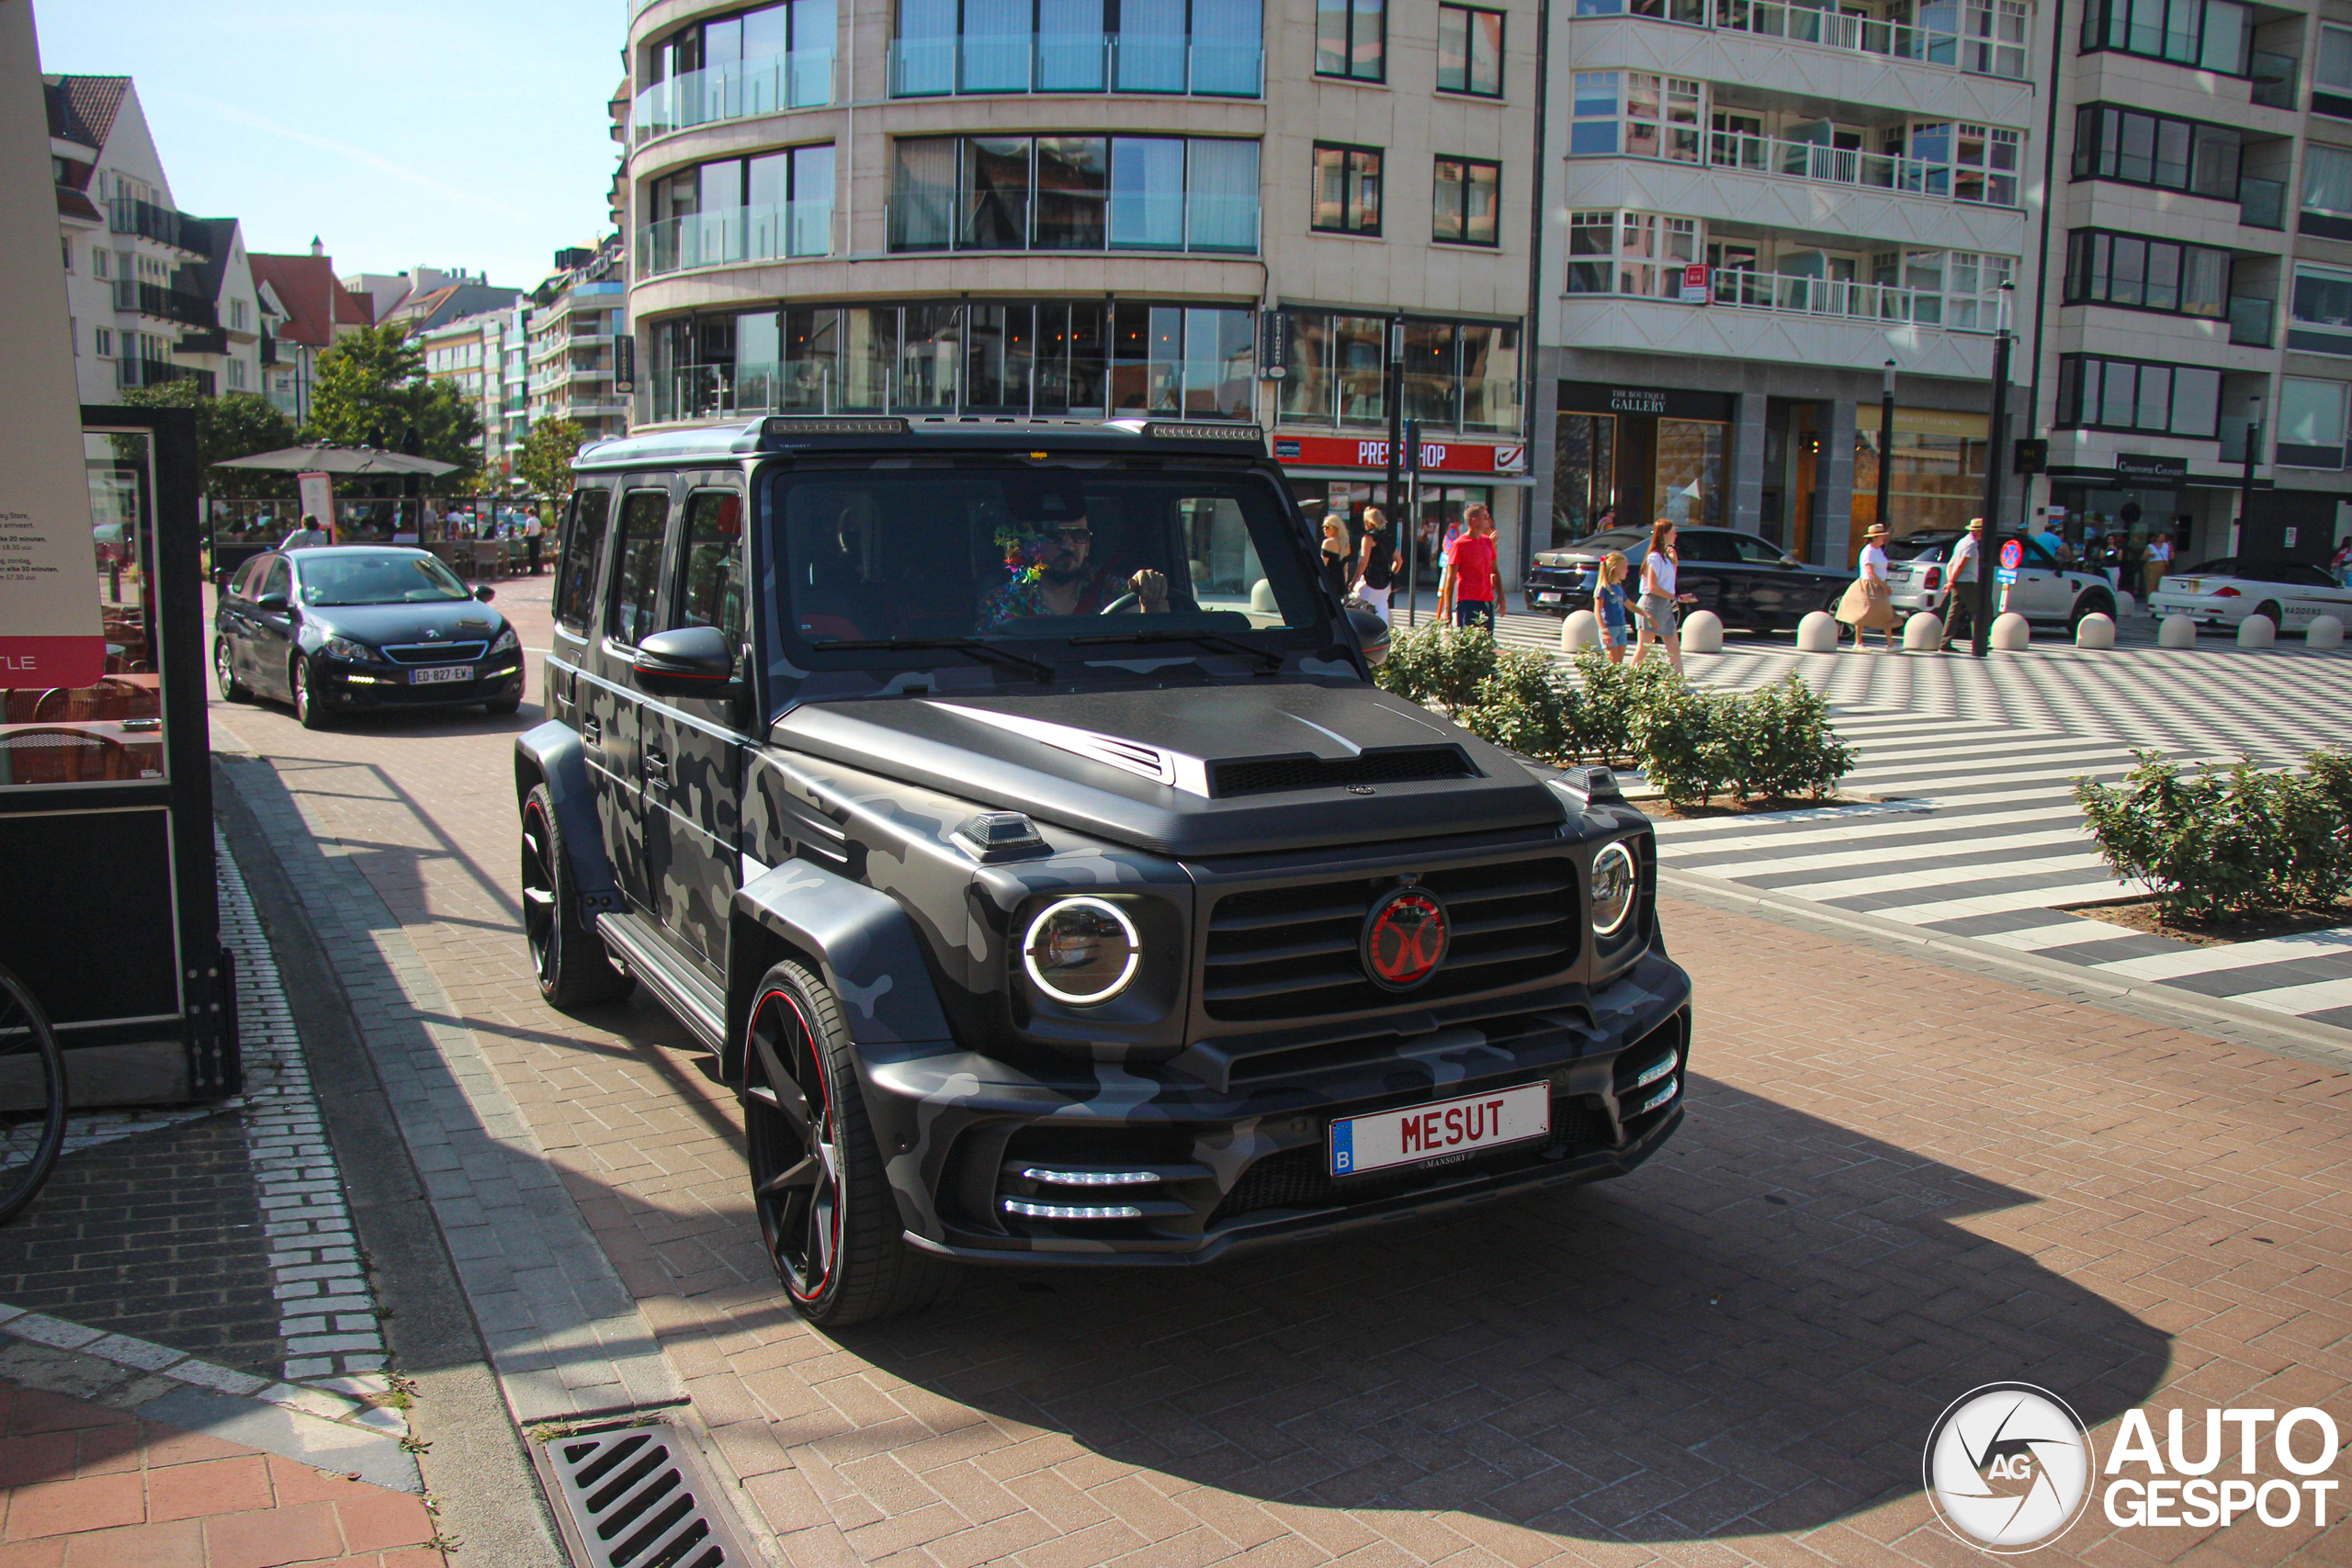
<point x="273" y="600"/>
<point x="1371" y="632"/>
<point x="220" y="576"/>
<point x="689" y="661"/>
<point x="485" y="593"/>
<point x="1790" y="561"/>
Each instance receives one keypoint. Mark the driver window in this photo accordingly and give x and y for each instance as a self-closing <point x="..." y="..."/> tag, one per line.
<point x="1704" y="547"/>
<point x="711" y="575"/>
<point x="279" y="580"/>
<point x="636" y="580"/>
<point x="1757" y="552"/>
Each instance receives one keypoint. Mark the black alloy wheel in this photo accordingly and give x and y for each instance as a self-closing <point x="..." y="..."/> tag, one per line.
<point x="827" y="1217"/>
<point x="570" y="960"/>
<point x="224" y="673"/>
<point x="309" y="706"/>
<point x="2271" y="608"/>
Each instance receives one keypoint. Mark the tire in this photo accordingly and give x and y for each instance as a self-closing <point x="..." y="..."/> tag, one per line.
<point x="2089" y="604"/>
<point x="32" y="1116"/>
<point x="309" y="706"/>
<point x="2270" y="607"/>
<point x="827" y="1217"/>
<point x="224" y="673"/>
<point x="569" y="958"/>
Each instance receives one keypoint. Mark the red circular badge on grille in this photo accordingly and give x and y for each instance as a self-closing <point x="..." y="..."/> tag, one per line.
<point x="1403" y="942"/>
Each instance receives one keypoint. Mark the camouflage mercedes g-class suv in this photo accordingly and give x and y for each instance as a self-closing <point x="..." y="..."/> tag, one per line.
<point x="1008" y="806"/>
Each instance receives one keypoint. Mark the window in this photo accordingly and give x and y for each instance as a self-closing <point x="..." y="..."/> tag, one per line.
<point x="1074" y="193"/>
<point x="2211" y="35"/>
<point x="1463" y="374"/>
<point x="710" y="579"/>
<point x="1636" y="113"/>
<point x="637" y="576"/>
<point x="753" y="62"/>
<point x="1469" y="52"/>
<point x="1468" y="196"/>
<point x="238" y="320"/>
<point x="237" y="374"/>
<point x="759" y="208"/>
<point x="1351" y="38"/>
<point x="2321" y="322"/>
<point x="2327" y="190"/>
<point x="2127" y="394"/>
<point x="1076" y="46"/>
<point x="2310" y="423"/>
<point x="2146" y="274"/>
<point x="66" y="247"/>
<point x="2113" y="143"/>
<point x="1347" y="189"/>
<point x="102" y="341"/>
<point x="2332" y="72"/>
<point x="101" y="261"/>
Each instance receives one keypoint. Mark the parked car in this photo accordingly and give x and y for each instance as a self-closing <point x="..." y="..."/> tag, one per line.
<point x="1044" y="905"/>
<point x="2046" y="590"/>
<point x="2221" y="594"/>
<point x="359" y="628"/>
<point x="1742" y="577"/>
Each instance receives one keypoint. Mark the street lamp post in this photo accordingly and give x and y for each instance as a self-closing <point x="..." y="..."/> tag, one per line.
<point x="2245" y="480"/>
<point x="1393" y="388"/>
<point x="1886" y="446"/>
<point x="1994" y="432"/>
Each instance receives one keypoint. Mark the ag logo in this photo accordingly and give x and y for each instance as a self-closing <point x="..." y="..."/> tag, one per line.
<point x="2009" y="1468"/>
<point x="1405" y="939"/>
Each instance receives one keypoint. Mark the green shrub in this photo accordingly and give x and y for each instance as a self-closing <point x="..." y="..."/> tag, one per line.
<point x="1439" y="664"/>
<point x="2240" y="841"/>
<point x="1524" y="706"/>
<point x="1790" y="751"/>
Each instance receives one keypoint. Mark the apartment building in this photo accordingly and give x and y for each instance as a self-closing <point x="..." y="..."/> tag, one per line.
<point x="1063" y="208"/>
<point x="2200" y="288"/>
<point x="156" y="295"/>
<point x="470" y="354"/>
<point x="578" y="354"/>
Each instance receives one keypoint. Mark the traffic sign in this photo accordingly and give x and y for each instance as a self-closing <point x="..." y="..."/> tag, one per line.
<point x="2006" y="576"/>
<point x="2012" y="553"/>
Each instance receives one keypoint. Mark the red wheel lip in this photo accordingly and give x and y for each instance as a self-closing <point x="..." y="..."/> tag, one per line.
<point x="825" y="1091"/>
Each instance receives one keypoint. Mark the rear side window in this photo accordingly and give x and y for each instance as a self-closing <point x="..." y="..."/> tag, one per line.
<point x="636" y="579"/>
<point x="248" y="583"/>
<point x="711" y="577"/>
<point x="279" y="580"/>
<point x="575" y="570"/>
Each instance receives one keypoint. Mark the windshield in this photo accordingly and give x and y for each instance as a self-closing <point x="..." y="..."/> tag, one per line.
<point x="378" y="579"/>
<point x="939" y="556"/>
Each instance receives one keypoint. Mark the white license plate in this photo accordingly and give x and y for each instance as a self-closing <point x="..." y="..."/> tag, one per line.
<point x="1547" y="598"/>
<point x="1415" y="1135"/>
<point x="439" y="674"/>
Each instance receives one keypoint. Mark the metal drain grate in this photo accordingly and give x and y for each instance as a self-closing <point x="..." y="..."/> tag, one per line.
<point x="640" y="1498"/>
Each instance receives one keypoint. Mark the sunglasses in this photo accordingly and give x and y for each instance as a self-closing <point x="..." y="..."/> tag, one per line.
<point x="1070" y="536"/>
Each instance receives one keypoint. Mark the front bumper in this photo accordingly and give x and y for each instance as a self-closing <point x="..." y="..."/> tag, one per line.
<point x="359" y="687"/>
<point x="1233" y="1170"/>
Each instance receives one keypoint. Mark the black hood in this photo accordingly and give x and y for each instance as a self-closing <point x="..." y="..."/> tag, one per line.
<point x="458" y="620"/>
<point x="1270" y="766"/>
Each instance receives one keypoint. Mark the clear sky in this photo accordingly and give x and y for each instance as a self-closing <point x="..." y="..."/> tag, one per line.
<point x="467" y="135"/>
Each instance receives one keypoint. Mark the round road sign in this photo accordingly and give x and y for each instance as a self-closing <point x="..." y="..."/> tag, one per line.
<point x="2012" y="553"/>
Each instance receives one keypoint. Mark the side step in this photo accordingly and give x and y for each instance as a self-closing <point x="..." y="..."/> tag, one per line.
<point x="699" y="1004"/>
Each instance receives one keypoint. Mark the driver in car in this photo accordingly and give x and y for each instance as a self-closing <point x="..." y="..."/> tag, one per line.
<point x="1051" y="576"/>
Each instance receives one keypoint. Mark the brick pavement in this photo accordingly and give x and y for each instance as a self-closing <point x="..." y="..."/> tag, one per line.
<point x="1897" y="1181"/>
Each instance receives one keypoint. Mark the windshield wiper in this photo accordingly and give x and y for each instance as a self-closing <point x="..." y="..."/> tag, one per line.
<point x="986" y="652"/>
<point x="1269" y="657"/>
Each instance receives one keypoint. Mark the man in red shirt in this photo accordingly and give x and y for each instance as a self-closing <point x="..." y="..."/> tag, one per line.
<point x="1467" y="590"/>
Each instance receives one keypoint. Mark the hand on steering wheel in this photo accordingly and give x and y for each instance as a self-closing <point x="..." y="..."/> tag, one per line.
<point x="1151" y="595"/>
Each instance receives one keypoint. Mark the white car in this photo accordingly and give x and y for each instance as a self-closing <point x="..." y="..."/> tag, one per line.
<point x="2046" y="590"/>
<point x="2221" y="594"/>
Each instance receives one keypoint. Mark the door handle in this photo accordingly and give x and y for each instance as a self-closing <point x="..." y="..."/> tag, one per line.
<point x="591" y="730"/>
<point x="655" y="766"/>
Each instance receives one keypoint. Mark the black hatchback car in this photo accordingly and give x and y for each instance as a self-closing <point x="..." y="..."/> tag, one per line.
<point x="1742" y="577"/>
<point x="352" y="628"/>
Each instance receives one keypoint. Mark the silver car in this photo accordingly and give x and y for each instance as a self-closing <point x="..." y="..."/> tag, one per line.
<point x="2221" y="594"/>
<point x="2047" y="590"/>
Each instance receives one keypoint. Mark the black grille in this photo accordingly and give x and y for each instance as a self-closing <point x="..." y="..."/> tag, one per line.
<point x="1300" y="1179"/>
<point x="1292" y="952"/>
<point x="435" y="652"/>
<point x="1279" y="775"/>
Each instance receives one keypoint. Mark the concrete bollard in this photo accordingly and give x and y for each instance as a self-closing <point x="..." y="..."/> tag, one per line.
<point x="1817" y="633"/>
<point x="1702" y="632"/>
<point x="2011" y="632"/>
<point x="1261" y="598"/>
<point x="2257" y="631"/>
<point x="2325" y="631"/>
<point x="2126" y="605"/>
<point x="2177" y="631"/>
<point x="2095" y="630"/>
<point x="1580" y="630"/>
<point x="1923" y="633"/>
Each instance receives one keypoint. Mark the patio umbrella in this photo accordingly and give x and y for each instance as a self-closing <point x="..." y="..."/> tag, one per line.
<point x="332" y="459"/>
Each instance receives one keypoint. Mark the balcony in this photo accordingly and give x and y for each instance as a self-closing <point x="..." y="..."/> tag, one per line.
<point x="2274" y="79"/>
<point x="2262" y="204"/>
<point x="800" y="80"/>
<point x="1793" y="294"/>
<point x="1827" y="28"/>
<point x="129" y="216"/>
<point x="2250" y="320"/>
<point x="166" y="304"/>
<point x="1073" y="62"/>
<point x="1198" y="221"/>
<point x="158" y="372"/>
<point x="1793" y="320"/>
<point x="1820" y="163"/>
<point x="734" y="235"/>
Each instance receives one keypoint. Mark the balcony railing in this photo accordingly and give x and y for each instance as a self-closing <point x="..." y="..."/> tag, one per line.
<point x="1793" y="294"/>
<point x="1843" y="165"/>
<point x="166" y="304"/>
<point x="1073" y="62"/>
<point x="127" y="215"/>
<point x="2275" y="76"/>
<point x="802" y="79"/>
<point x="2250" y="320"/>
<point x="2262" y="204"/>
<point x="734" y="235"/>
<point x="157" y="372"/>
<point x="1123" y="220"/>
<point x="1832" y="30"/>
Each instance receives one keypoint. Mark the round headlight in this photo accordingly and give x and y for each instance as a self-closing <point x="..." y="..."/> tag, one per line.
<point x="1081" y="951"/>
<point x="1614" y="884"/>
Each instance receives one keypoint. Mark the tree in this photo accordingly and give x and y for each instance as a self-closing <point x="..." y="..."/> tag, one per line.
<point x="371" y="391"/>
<point x="235" y="425"/>
<point x="545" y="458"/>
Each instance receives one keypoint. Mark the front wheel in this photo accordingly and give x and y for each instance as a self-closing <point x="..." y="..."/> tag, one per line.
<point x="308" y="705"/>
<point x="2089" y="604"/>
<point x="224" y="672"/>
<point x="2270" y="607"/>
<point x="830" y="1223"/>
<point x="573" y="969"/>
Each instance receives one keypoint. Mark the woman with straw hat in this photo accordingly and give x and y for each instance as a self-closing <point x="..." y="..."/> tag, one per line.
<point x="1869" y="603"/>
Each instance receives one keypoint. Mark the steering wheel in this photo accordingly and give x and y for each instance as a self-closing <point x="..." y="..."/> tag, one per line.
<point x="1122" y="605"/>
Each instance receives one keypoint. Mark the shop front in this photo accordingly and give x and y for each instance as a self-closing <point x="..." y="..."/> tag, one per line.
<point x="1937" y="480"/>
<point x="1637" y="454"/>
<point x="1339" y="475"/>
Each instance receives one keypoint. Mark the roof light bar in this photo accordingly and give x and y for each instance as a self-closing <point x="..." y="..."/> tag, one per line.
<point x="1249" y="432"/>
<point x="827" y="425"/>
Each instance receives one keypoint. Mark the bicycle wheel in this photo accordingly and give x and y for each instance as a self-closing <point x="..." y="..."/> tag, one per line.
<point x="32" y="1096"/>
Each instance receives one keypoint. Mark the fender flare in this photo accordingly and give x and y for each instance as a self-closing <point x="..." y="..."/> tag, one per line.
<point x="553" y="754"/>
<point x="863" y="942"/>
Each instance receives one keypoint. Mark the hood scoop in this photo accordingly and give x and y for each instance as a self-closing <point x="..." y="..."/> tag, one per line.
<point x="1171" y="768"/>
<point x="1284" y="776"/>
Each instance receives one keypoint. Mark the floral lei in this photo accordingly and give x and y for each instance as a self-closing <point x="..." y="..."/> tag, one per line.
<point x="1025" y="554"/>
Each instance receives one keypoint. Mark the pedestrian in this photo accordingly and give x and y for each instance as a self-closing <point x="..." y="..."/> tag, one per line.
<point x="1335" y="557"/>
<point x="1959" y="609"/>
<point x="1869" y="603"/>
<point x="309" y="536"/>
<point x="1660" y="596"/>
<point x="531" y="540"/>
<point x="2159" y="562"/>
<point x="1613" y="607"/>
<point x="1375" y="576"/>
<point x="1468" y="583"/>
<point x="2343" y="563"/>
